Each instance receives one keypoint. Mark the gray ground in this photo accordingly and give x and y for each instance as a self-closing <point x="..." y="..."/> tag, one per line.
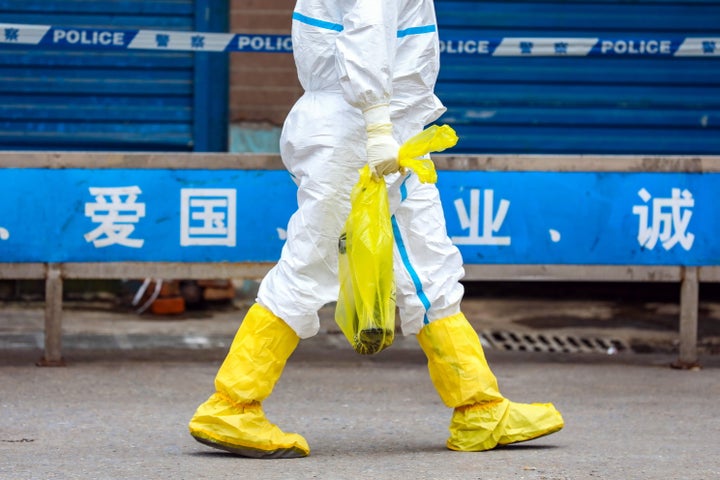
<point x="119" y="409"/>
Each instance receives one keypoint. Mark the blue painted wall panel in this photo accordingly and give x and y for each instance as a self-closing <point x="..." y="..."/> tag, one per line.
<point x="113" y="100"/>
<point x="633" y="218"/>
<point x="596" y="104"/>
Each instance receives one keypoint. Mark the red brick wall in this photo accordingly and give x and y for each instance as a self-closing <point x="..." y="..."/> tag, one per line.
<point x="263" y="86"/>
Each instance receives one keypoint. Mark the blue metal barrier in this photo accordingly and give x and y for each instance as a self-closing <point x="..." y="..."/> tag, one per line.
<point x="124" y="215"/>
<point x="113" y="215"/>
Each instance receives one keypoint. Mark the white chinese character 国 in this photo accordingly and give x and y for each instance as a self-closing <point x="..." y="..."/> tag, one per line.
<point x="665" y="219"/>
<point x="490" y="223"/>
<point x="207" y="216"/>
<point x="117" y="212"/>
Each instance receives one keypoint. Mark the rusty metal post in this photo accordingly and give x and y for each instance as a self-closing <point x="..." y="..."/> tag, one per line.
<point x="53" y="317"/>
<point x="689" y="306"/>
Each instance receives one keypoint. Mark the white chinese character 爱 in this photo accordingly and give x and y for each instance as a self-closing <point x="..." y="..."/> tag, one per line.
<point x="117" y="212"/>
<point x="207" y="216"/>
<point x="491" y="223"/>
<point x="667" y="221"/>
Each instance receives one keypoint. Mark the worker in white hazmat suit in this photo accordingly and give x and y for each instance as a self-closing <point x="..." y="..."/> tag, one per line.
<point x="368" y="68"/>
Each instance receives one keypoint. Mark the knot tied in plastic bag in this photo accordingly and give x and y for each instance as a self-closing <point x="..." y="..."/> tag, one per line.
<point x="432" y="139"/>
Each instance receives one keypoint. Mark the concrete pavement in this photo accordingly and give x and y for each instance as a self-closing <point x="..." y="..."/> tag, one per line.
<point x="124" y="416"/>
<point x="119" y="409"/>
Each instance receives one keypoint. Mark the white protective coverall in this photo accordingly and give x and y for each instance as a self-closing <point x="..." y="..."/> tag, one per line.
<point x="353" y="55"/>
<point x="362" y="63"/>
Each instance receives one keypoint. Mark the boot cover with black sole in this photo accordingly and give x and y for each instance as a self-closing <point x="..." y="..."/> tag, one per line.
<point x="482" y="418"/>
<point x="232" y="418"/>
<point x="244" y="430"/>
<point x="484" y="426"/>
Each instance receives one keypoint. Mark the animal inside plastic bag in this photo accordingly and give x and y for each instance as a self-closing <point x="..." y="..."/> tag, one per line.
<point x="365" y="310"/>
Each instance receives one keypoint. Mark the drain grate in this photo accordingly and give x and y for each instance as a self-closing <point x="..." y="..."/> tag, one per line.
<point x="541" y="342"/>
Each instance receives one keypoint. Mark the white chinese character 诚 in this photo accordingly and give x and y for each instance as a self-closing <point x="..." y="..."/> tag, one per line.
<point x="207" y="216"/>
<point x="667" y="221"/>
<point x="491" y="223"/>
<point x="116" y="210"/>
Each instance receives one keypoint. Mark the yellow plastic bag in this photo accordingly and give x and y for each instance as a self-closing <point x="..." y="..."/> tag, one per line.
<point x="365" y="311"/>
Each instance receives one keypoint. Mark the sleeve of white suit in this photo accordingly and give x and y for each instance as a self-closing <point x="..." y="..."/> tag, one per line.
<point x="366" y="55"/>
<point x="366" y="52"/>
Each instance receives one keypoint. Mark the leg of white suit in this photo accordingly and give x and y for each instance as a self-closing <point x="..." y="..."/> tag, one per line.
<point x="428" y="267"/>
<point x="323" y="147"/>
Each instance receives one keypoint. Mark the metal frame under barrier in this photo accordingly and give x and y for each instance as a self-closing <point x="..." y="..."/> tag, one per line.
<point x="688" y="277"/>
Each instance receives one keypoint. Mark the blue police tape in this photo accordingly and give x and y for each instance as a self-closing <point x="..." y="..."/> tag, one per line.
<point x="45" y="36"/>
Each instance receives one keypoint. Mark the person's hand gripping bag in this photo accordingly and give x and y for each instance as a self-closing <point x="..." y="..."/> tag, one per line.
<point x="365" y="310"/>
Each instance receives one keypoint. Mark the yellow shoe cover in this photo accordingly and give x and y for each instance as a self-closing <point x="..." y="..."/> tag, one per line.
<point x="243" y="430"/>
<point x="232" y="418"/>
<point x="483" y="418"/>
<point x="486" y="425"/>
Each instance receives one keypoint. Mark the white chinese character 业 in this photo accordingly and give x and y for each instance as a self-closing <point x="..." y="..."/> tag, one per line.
<point x="667" y="221"/>
<point x="491" y="223"/>
<point x="207" y="216"/>
<point x="116" y="210"/>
